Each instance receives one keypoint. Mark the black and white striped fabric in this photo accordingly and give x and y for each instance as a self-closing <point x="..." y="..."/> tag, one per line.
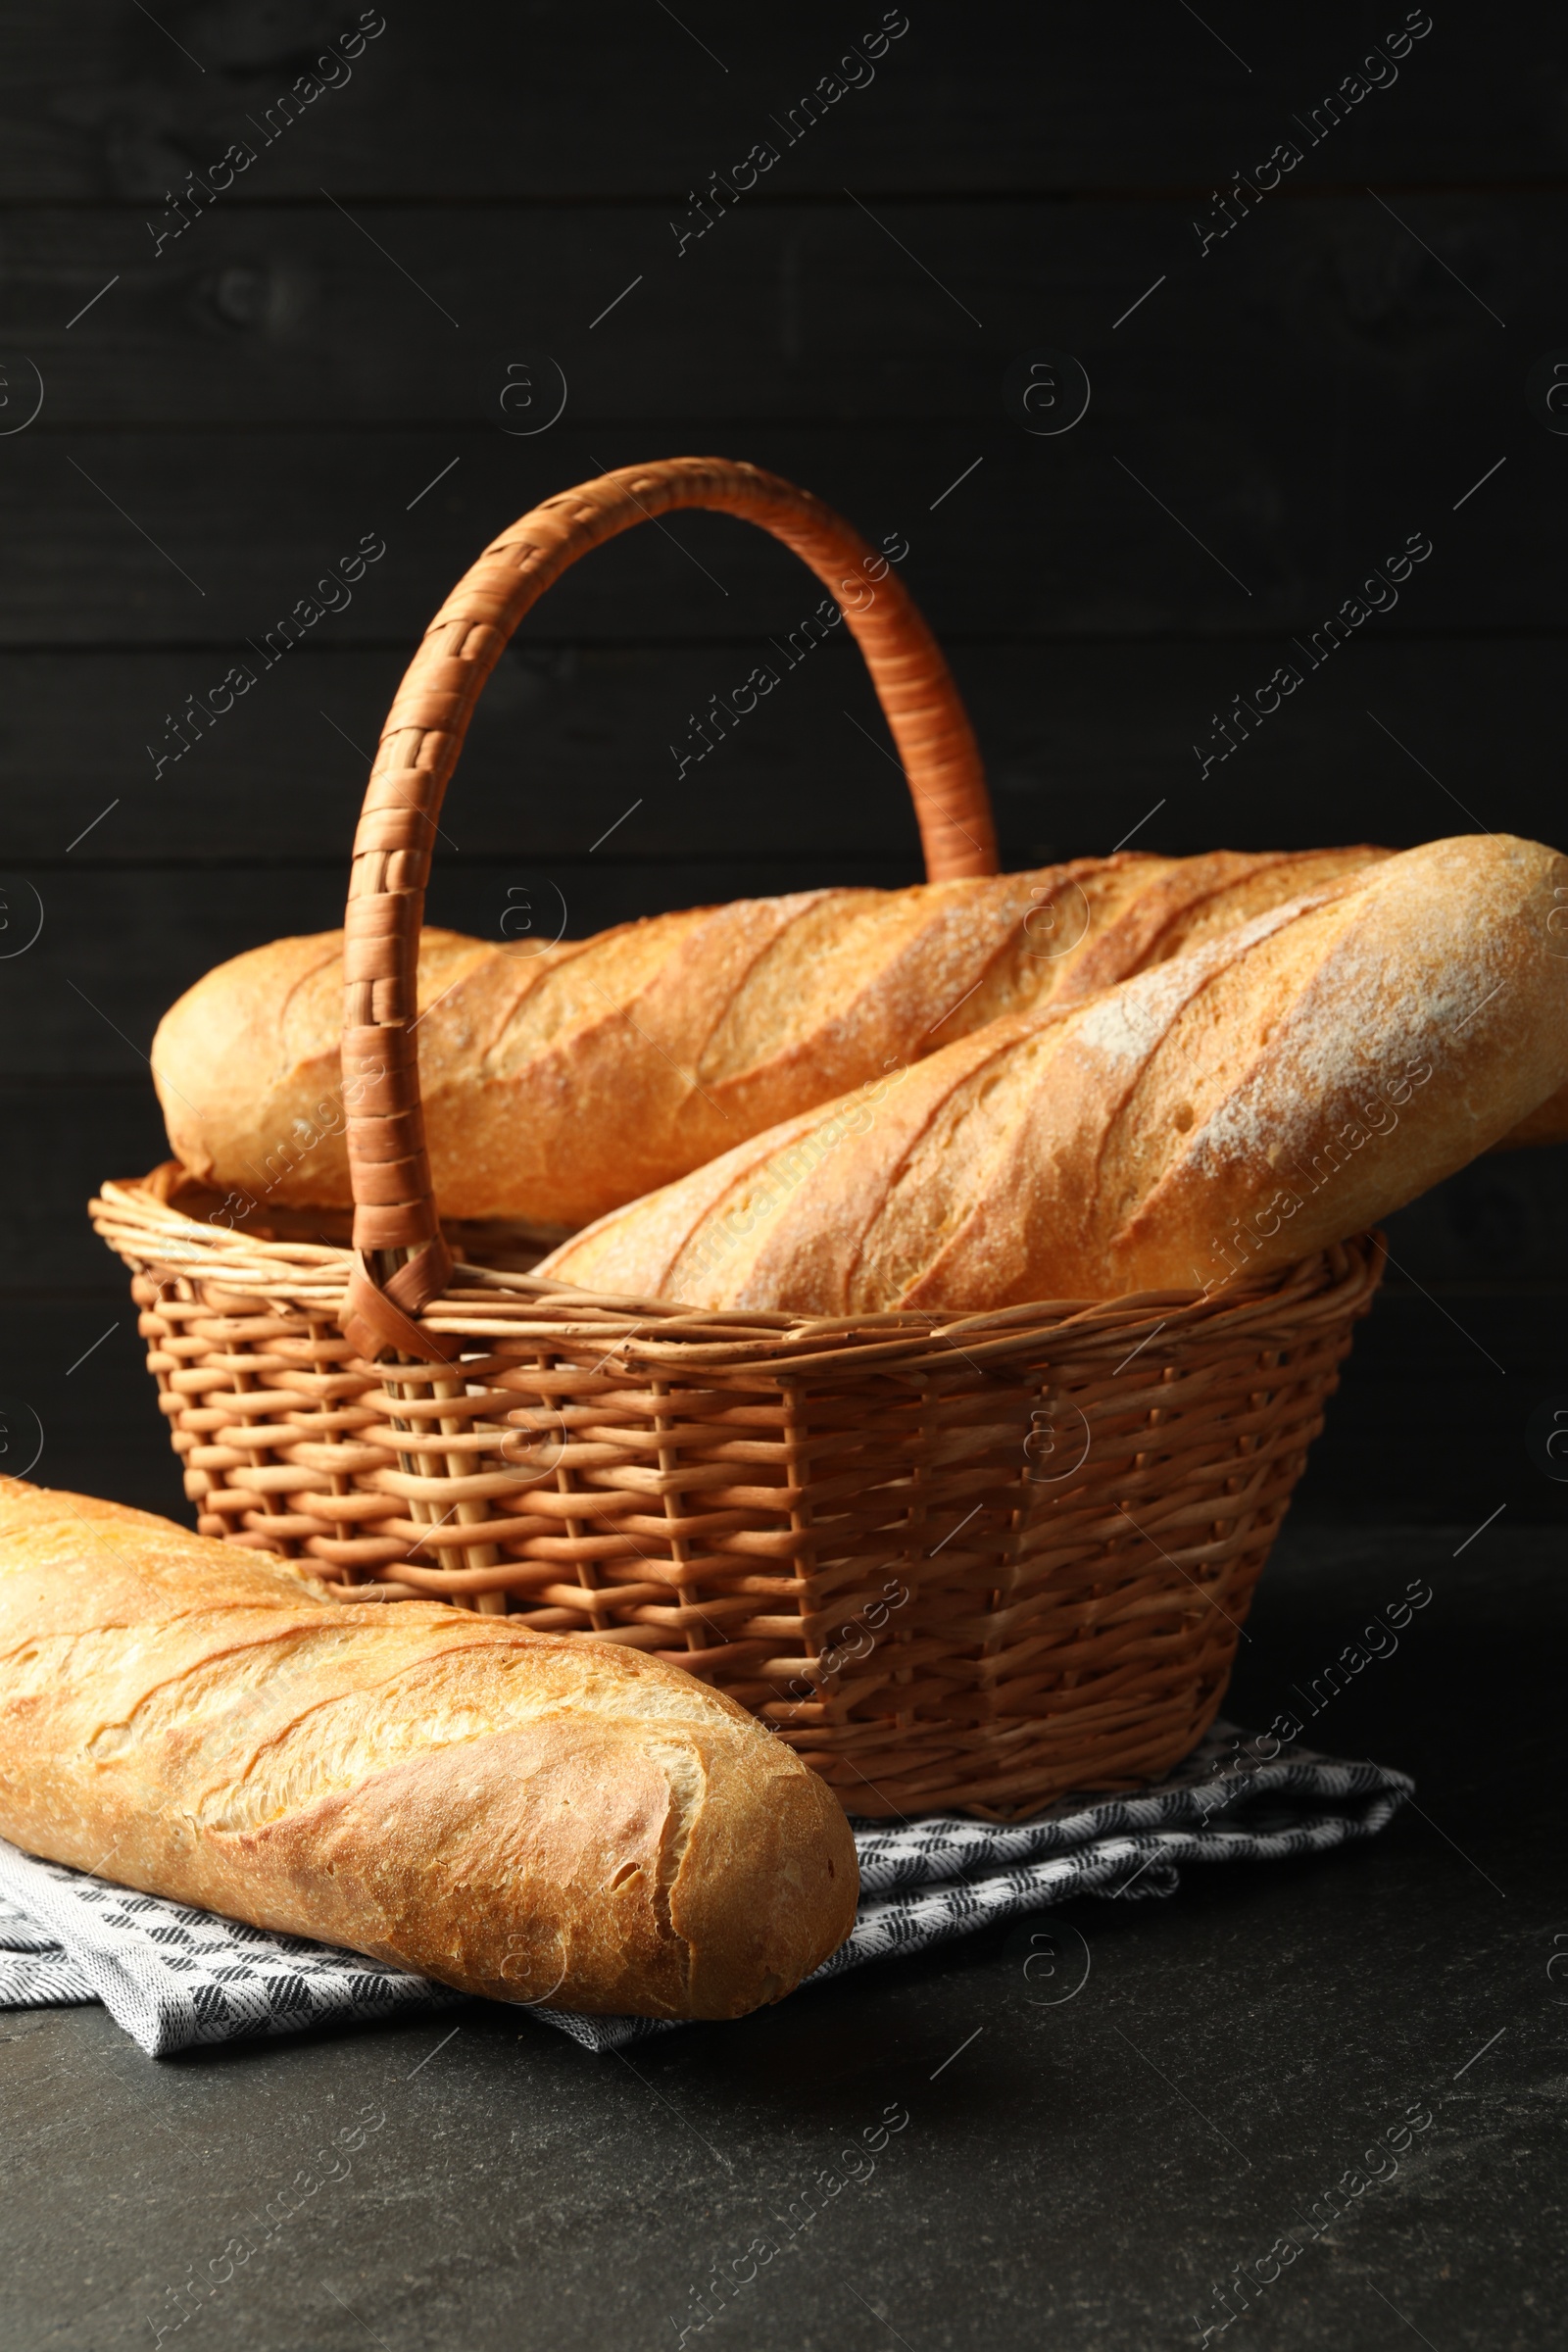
<point x="172" y="1977"/>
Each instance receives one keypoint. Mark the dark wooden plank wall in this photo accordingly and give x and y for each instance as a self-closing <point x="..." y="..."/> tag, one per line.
<point x="321" y="352"/>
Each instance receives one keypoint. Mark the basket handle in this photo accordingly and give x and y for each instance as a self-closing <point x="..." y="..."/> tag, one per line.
<point x="400" y="1260"/>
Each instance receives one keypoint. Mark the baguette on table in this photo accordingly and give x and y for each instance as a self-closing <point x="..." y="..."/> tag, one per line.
<point x="519" y="1815"/>
<point x="561" y="1083"/>
<point x="1278" y="1087"/>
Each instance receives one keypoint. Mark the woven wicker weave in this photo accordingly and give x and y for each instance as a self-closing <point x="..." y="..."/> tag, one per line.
<point x="954" y="1560"/>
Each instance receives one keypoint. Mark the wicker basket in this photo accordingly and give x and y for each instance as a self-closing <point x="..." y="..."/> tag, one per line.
<point x="954" y="1560"/>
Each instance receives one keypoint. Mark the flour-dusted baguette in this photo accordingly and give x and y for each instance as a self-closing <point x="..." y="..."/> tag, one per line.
<point x="1547" y="1123"/>
<point x="520" y="1815"/>
<point x="558" y="1084"/>
<point x="1281" y="1087"/>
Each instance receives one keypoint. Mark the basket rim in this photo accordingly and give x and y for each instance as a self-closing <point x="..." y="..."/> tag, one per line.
<point x="137" y="1219"/>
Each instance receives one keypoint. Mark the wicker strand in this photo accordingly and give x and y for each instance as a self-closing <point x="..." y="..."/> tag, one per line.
<point x="735" y="1492"/>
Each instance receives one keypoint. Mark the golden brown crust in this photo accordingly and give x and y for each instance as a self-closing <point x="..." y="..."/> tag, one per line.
<point x="520" y="1815"/>
<point x="1282" y="1086"/>
<point x="1547" y="1123"/>
<point x="560" y="1084"/>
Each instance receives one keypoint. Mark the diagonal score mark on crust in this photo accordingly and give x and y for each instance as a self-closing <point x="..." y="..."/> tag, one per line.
<point x="936" y="1195"/>
<point x="922" y="1209"/>
<point x="342" y="1743"/>
<point x="401" y="1699"/>
<point x="582" y="986"/>
<point x="688" y="1786"/>
<point x="775" y="981"/>
<point x="68" y="1665"/>
<point x="1130" y="1025"/>
<point x="246" y="1686"/>
<point x="330" y="952"/>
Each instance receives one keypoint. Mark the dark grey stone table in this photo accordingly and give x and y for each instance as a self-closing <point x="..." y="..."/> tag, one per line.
<point x="1081" y="2172"/>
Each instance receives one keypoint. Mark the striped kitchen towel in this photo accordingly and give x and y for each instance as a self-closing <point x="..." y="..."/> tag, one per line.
<point x="172" y="1977"/>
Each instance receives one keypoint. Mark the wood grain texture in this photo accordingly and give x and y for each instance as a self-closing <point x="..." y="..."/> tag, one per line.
<point x="567" y="741"/>
<point x="1315" y="387"/>
<point x="1075" y="546"/>
<point x="1084" y="745"/>
<point x="1164" y="100"/>
<point x="277" y="317"/>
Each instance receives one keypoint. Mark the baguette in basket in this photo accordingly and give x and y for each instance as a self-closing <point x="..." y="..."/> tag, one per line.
<point x="521" y="1817"/>
<point x="1280" y="1088"/>
<point x="557" y="1084"/>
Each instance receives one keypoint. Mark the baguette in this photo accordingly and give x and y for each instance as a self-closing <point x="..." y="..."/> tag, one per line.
<point x="1277" y="1089"/>
<point x="1547" y="1123"/>
<point x="558" y="1085"/>
<point x="519" y="1815"/>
